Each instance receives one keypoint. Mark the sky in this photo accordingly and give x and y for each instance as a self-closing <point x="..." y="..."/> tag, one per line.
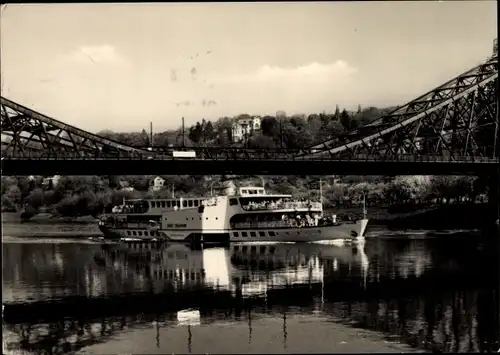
<point x="121" y="66"/>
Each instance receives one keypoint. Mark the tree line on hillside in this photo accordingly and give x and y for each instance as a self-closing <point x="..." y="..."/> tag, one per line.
<point x="75" y="196"/>
<point x="294" y="132"/>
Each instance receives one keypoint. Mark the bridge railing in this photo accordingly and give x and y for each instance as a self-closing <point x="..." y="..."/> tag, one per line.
<point x="241" y="155"/>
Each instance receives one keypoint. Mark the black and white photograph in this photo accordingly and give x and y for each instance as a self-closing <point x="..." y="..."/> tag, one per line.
<point x="250" y="177"/>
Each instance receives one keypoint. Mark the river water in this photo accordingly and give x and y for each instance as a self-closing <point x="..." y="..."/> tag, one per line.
<point x="394" y="293"/>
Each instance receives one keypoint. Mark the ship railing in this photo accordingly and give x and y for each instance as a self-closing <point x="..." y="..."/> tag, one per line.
<point x="291" y="223"/>
<point x="281" y="206"/>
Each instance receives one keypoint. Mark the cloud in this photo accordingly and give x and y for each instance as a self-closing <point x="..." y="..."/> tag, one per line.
<point x="312" y="72"/>
<point x="100" y="54"/>
<point x="310" y="87"/>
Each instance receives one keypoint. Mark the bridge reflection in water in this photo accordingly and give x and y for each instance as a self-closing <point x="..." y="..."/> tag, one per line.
<point x="67" y="297"/>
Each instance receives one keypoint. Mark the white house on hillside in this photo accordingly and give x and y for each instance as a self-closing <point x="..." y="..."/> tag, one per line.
<point x="51" y="181"/>
<point x="157" y="183"/>
<point x="245" y="127"/>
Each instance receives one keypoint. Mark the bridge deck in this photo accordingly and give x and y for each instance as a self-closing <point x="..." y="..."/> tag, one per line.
<point x="404" y="165"/>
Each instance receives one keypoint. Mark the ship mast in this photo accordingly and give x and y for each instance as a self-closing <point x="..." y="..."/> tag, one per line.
<point x="364" y="206"/>
<point x="321" y="193"/>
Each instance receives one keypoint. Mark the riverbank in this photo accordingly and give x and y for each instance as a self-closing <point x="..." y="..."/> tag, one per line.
<point x="46" y="218"/>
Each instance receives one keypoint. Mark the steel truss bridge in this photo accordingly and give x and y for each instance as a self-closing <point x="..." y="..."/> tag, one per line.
<point x="452" y="129"/>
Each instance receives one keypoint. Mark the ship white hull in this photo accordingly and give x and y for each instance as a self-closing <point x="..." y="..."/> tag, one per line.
<point x="348" y="230"/>
<point x="306" y="234"/>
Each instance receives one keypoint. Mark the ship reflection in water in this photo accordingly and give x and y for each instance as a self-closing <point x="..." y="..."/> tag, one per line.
<point x="135" y="298"/>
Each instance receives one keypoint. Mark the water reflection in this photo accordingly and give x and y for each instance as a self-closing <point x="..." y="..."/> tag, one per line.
<point x="66" y="297"/>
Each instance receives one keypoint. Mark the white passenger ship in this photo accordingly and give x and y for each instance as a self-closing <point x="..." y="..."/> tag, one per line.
<point x="248" y="215"/>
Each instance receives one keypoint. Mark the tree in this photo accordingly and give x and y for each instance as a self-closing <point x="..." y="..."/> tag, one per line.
<point x="224" y="131"/>
<point x="269" y="126"/>
<point x="144" y="139"/>
<point x="295" y="137"/>
<point x="160" y="139"/>
<point x="209" y="131"/>
<point x="261" y="142"/>
<point x="337" y="113"/>
<point x="12" y="196"/>
<point x="345" y="120"/>
<point x="333" y="129"/>
<point x="36" y="199"/>
<point x="314" y="125"/>
<point x="196" y="132"/>
<point x="298" y="122"/>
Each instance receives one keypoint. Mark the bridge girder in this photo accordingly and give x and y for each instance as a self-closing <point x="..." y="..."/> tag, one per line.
<point x="455" y="120"/>
<point x="25" y="131"/>
<point x="458" y="118"/>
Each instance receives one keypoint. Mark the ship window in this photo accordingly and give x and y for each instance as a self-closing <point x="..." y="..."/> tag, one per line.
<point x="168" y="204"/>
<point x="235" y="234"/>
<point x="233" y="202"/>
<point x="163" y="205"/>
<point x="216" y="218"/>
<point x="184" y="203"/>
<point x="207" y="218"/>
<point x="196" y="203"/>
<point x="134" y="233"/>
<point x="272" y="249"/>
<point x="244" y="249"/>
<point x="253" y="248"/>
<point x="271" y="234"/>
<point x="187" y="218"/>
<point x="190" y="203"/>
<point x="262" y="234"/>
<point x="244" y="234"/>
<point x="262" y="249"/>
<point x="128" y="232"/>
<point x="153" y="204"/>
<point x="244" y="191"/>
<point x="253" y="234"/>
<point x="146" y="233"/>
<point x="140" y="234"/>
